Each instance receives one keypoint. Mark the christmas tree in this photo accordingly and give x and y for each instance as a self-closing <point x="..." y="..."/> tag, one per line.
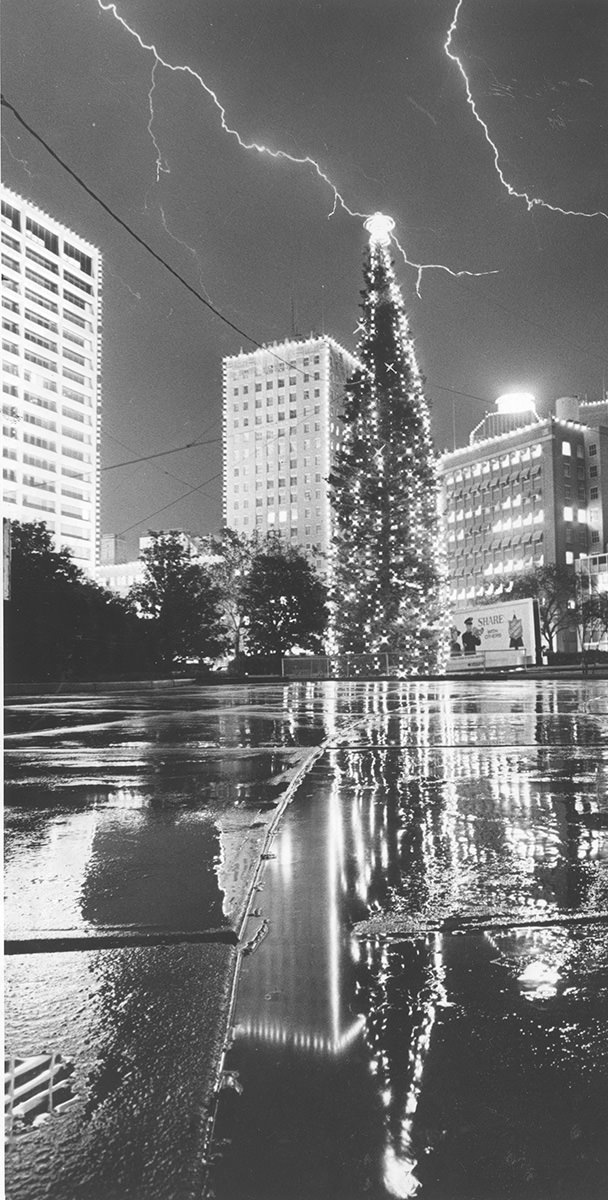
<point x="386" y="583"/>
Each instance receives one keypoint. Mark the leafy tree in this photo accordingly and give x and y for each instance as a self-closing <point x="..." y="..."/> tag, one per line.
<point x="180" y="597"/>
<point x="285" y="600"/>
<point x="233" y="554"/>
<point x="59" y="624"/>
<point x="387" y="588"/>
<point x="555" y="589"/>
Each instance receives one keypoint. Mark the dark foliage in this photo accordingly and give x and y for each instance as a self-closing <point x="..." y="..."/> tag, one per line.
<point x="285" y="601"/>
<point x="59" y="625"/>
<point x="181" y="601"/>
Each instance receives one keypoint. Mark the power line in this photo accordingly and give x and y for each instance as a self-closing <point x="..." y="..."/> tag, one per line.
<point x="159" y="454"/>
<point x="455" y="392"/>
<point x="156" y="512"/>
<point x="528" y="320"/>
<point x="163" y="471"/>
<point x="216" y="311"/>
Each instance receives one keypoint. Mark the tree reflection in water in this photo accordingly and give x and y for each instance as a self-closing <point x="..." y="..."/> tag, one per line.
<point x="432" y="804"/>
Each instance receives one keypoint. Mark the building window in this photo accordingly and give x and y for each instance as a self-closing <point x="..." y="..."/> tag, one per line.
<point x="592" y="450"/>
<point x="34" y="277"/>
<point x="83" y="260"/>
<point x="76" y="300"/>
<point x="49" y="240"/>
<point x="41" y="261"/>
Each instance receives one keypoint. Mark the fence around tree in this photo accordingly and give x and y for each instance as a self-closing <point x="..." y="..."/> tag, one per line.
<point x="347" y="666"/>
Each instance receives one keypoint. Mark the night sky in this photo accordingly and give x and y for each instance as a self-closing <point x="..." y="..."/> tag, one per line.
<point x="365" y="88"/>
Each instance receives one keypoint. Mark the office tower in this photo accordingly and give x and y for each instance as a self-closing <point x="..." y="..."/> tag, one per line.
<point x="281" y="430"/>
<point x="51" y="344"/>
<point x="524" y="493"/>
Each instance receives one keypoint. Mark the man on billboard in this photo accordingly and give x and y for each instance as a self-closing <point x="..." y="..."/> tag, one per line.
<point x="471" y="637"/>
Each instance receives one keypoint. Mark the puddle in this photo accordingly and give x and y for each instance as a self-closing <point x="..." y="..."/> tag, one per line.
<point x="457" y="1065"/>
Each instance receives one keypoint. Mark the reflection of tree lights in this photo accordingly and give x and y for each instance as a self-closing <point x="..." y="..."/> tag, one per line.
<point x="538" y="981"/>
<point x="399" y="1178"/>
<point x="266" y="1031"/>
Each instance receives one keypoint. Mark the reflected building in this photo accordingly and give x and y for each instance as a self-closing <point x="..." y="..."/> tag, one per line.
<point x="426" y="817"/>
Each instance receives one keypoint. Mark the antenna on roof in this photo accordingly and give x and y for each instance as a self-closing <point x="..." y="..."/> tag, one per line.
<point x="294" y="323"/>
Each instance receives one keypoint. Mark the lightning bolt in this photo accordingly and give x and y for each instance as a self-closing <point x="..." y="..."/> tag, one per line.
<point x="107" y="269"/>
<point x="22" y="161"/>
<point x="531" y="201"/>
<point x="258" y="147"/>
<point x="162" y="168"/>
<point x="420" y="267"/>
<point x="161" y="165"/>
<point x="187" y="247"/>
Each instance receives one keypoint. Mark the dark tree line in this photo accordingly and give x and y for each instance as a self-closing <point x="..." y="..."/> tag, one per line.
<point x="60" y="625"/>
<point x="242" y="594"/>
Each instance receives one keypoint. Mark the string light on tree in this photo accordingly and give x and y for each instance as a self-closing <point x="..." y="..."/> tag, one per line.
<point x="387" y="580"/>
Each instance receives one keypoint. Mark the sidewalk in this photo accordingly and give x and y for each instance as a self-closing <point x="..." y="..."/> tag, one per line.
<point x="132" y="883"/>
<point x="137" y="830"/>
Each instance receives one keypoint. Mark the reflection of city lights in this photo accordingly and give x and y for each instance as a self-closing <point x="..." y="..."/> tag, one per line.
<point x="420" y="824"/>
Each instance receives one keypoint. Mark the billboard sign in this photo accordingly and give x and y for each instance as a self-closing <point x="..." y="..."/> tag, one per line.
<point x="499" y="633"/>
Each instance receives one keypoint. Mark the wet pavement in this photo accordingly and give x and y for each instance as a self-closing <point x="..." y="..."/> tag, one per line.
<point x="425" y="1011"/>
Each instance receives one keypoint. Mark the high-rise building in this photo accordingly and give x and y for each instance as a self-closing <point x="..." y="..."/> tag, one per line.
<point x="51" y="357"/>
<point x="281" y="430"/>
<point x="525" y="493"/>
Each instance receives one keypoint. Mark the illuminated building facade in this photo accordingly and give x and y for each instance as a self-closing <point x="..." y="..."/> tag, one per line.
<point x="51" y="343"/>
<point x="281" y="429"/>
<point x="524" y="493"/>
<point x="119" y="575"/>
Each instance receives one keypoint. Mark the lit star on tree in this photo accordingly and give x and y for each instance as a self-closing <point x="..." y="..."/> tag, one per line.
<point x="380" y="228"/>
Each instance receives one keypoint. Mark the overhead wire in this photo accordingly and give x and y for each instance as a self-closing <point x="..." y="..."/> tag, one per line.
<point x="157" y="511"/>
<point x="211" y="307"/>
<point x="141" y="241"/>
<point x="207" y="304"/>
<point x="160" y="453"/>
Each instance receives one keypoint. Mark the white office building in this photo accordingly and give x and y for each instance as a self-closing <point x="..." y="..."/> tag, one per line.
<point x="51" y="360"/>
<point x="281" y="430"/>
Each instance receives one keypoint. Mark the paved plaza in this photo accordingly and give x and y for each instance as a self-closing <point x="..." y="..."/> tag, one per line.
<point x="410" y="882"/>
